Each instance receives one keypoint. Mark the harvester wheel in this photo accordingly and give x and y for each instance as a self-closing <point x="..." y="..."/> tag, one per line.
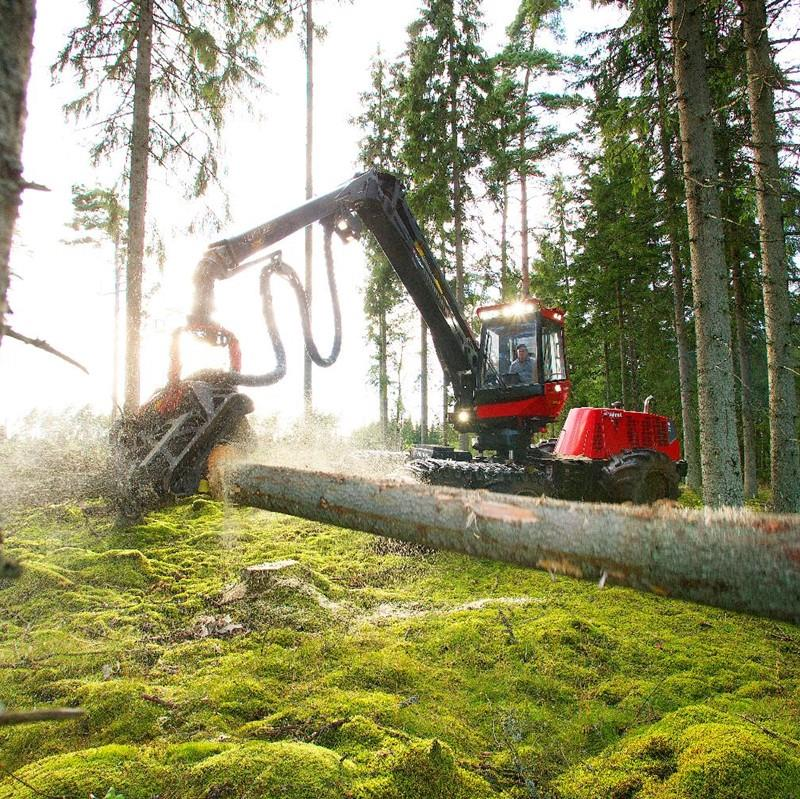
<point x="640" y="476"/>
<point x="547" y="445"/>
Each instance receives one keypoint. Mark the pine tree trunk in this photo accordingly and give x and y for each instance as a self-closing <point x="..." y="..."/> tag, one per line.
<point x="633" y="360"/>
<point x="623" y="369"/>
<point x="784" y="451"/>
<point x="445" y="408"/>
<point x="745" y="380"/>
<point x="607" y="372"/>
<point x="423" y="381"/>
<point x="523" y="184"/>
<point x="719" y="451"/>
<point x="16" y="47"/>
<point x="117" y="307"/>
<point x="562" y="244"/>
<point x="504" y="244"/>
<point x="383" y="377"/>
<point x="137" y="204"/>
<point x="308" y="399"/>
<point x="458" y="206"/>
<point x="688" y="417"/>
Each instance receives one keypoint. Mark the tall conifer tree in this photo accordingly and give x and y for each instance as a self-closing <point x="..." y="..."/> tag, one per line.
<point x="719" y="450"/>
<point x="783" y="413"/>
<point x="158" y="76"/>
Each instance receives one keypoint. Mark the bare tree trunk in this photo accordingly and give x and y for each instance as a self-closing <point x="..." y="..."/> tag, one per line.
<point x="308" y="399"/>
<point x="117" y="308"/>
<point x="16" y="47"/>
<point x="445" y="398"/>
<point x="745" y="380"/>
<point x="504" y="244"/>
<point x="383" y="377"/>
<point x="458" y="208"/>
<point x="633" y="360"/>
<point x="137" y="204"/>
<point x="719" y="450"/>
<point x="607" y="372"/>
<point x="784" y="450"/>
<point x="688" y="417"/>
<point x="423" y="381"/>
<point x="445" y="408"/>
<point x="523" y="184"/>
<point x="623" y="369"/>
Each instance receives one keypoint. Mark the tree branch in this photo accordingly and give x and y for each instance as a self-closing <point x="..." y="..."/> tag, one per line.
<point x="43" y="345"/>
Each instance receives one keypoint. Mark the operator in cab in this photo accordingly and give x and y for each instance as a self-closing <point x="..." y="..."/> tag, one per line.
<point x="522" y="365"/>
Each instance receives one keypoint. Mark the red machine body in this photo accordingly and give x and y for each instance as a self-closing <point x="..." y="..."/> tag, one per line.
<point x="599" y="433"/>
<point x="549" y="405"/>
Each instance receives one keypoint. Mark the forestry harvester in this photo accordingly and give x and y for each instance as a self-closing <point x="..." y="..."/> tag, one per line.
<point x="602" y="454"/>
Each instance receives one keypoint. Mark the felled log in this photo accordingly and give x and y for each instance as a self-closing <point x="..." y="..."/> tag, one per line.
<point x="731" y="559"/>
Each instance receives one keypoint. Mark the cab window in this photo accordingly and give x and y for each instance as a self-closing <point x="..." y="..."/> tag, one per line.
<point x="501" y="345"/>
<point x="555" y="367"/>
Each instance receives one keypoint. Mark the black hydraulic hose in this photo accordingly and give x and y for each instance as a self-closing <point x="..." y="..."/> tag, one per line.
<point x="277" y="267"/>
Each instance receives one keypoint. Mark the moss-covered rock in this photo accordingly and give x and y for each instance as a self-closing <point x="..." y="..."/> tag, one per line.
<point x="89" y="772"/>
<point x="285" y="769"/>
<point x="679" y="759"/>
<point x="118" y="568"/>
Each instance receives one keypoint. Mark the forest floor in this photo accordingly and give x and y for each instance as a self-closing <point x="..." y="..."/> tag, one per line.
<point x="368" y="669"/>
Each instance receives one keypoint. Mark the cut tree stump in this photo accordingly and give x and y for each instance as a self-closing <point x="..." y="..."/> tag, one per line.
<point x="728" y="558"/>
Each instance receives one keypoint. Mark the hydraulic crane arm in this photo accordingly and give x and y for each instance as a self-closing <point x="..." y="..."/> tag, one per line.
<point x="374" y="200"/>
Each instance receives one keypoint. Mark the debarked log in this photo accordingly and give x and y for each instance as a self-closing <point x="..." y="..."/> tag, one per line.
<point x="731" y="559"/>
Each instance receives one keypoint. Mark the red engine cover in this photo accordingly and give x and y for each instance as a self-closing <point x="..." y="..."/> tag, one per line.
<point x="599" y="433"/>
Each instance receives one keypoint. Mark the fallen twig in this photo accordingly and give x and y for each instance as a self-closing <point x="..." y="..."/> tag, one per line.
<point x="157" y="700"/>
<point x="767" y="731"/>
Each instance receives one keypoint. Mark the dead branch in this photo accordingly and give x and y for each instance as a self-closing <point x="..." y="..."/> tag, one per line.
<point x="43" y="345"/>
<point x="157" y="700"/>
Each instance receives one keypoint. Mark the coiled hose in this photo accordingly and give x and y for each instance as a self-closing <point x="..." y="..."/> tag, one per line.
<point x="276" y="267"/>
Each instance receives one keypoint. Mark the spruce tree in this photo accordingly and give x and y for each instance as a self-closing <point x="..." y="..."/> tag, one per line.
<point x="379" y="147"/>
<point x="783" y="413"/>
<point x="718" y="445"/>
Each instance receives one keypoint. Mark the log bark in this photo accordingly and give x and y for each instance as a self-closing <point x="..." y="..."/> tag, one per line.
<point x="16" y="46"/>
<point x="731" y="559"/>
<point x="719" y="448"/>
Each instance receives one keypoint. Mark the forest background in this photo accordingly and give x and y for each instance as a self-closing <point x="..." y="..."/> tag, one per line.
<point x="479" y="127"/>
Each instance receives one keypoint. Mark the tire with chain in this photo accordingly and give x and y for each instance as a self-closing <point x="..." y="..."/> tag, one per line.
<point x="547" y="445"/>
<point x="640" y="476"/>
<point x="498" y="477"/>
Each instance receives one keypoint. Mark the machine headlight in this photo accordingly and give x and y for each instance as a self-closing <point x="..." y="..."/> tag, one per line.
<point x="463" y="416"/>
<point x="517" y="309"/>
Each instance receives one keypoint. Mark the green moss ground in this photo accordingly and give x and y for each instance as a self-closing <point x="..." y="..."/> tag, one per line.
<point x="370" y="671"/>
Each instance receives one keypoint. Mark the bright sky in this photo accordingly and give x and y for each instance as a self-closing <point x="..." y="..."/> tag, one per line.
<point x="64" y="293"/>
